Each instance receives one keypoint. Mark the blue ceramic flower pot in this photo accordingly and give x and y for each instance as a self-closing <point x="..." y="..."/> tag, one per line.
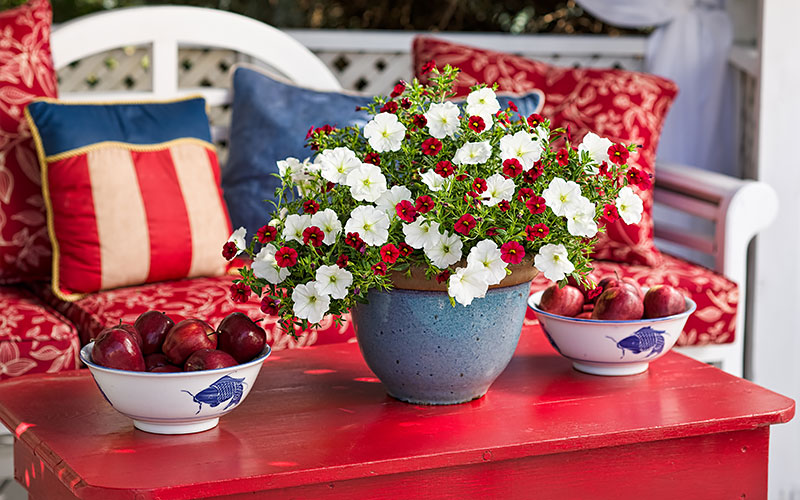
<point x="426" y="351"/>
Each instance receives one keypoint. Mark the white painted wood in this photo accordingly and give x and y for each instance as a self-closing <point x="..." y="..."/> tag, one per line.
<point x="776" y="322"/>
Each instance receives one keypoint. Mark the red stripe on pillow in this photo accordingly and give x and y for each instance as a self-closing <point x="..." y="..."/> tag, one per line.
<point x="167" y="219"/>
<point x="75" y="225"/>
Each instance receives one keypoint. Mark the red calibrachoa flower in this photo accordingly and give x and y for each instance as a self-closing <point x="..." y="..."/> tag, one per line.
<point x="270" y="306"/>
<point x="310" y="207"/>
<point x="311" y="128"/>
<point x="379" y="269"/>
<point x="405" y="103"/>
<point x="525" y="194"/>
<point x="604" y="171"/>
<point x="389" y="107"/>
<point x="476" y="124"/>
<point x="443" y="276"/>
<point x="535" y="120"/>
<point x="342" y="261"/>
<point x="286" y="257"/>
<point x="424" y="204"/>
<point x="313" y="235"/>
<point x="373" y="158"/>
<point x="504" y="205"/>
<point x="512" y="167"/>
<point x="405" y="249"/>
<point x="594" y="293"/>
<point x="389" y="253"/>
<point x="479" y="185"/>
<point x="428" y="66"/>
<point x="492" y="231"/>
<point x="512" y="252"/>
<point x="462" y="177"/>
<point x="419" y="121"/>
<point x="266" y="234"/>
<point x="444" y="168"/>
<point x="398" y="89"/>
<point x="513" y="107"/>
<point x="618" y="154"/>
<point x="354" y="240"/>
<point x="530" y="176"/>
<point x="536" y="231"/>
<point x="240" y="293"/>
<point x="562" y="156"/>
<point x="465" y="224"/>
<point x="431" y="146"/>
<point x="610" y="213"/>
<point x="638" y="178"/>
<point x="536" y="205"/>
<point x="406" y="211"/>
<point x="229" y="250"/>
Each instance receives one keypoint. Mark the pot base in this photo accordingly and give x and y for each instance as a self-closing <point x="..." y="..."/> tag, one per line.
<point x="609" y="369"/>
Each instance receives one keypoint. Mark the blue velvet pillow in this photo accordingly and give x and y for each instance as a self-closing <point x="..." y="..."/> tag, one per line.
<point x="270" y="120"/>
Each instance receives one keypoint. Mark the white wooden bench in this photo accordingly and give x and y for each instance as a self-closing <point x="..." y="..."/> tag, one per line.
<point x="373" y="61"/>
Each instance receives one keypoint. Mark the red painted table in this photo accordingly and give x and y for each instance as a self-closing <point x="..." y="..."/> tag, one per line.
<point x="316" y="424"/>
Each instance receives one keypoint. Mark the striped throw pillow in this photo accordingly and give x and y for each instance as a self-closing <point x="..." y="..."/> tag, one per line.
<point x="132" y="192"/>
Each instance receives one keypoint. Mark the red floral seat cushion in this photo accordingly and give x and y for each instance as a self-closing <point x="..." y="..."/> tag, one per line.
<point x="717" y="298"/>
<point x="33" y="338"/>
<point x="204" y="298"/>
<point x="624" y="106"/>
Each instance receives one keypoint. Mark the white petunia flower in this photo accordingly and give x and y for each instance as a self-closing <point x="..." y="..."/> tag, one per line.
<point x="468" y="283"/>
<point x="333" y="281"/>
<point x="266" y="267"/>
<point x="561" y="195"/>
<point x="486" y="255"/>
<point x="385" y="132"/>
<point x="444" y="250"/>
<point x="434" y="181"/>
<point x="482" y="102"/>
<point x="442" y="119"/>
<point x="299" y="172"/>
<point x="553" y="262"/>
<point x="309" y="302"/>
<point x="522" y="147"/>
<point x="367" y="182"/>
<point x="473" y="153"/>
<point x="337" y="163"/>
<point x="294" y="226"/>
<point x="580" y="218"/>
<point x="238" y="238"/>
<point x="498" y="188"/>
<point x="420" y="234"/>
<point x="392" y="197"/>
<point x="629" y="206"/>
<point x="597" y="147"/>
<point x="370" y="223"/>
<point x="329" y="223"/>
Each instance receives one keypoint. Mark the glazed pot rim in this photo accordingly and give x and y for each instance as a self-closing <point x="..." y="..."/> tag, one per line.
<point x="520" y="273"/>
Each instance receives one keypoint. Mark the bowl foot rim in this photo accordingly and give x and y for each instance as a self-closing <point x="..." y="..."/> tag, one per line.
<point x="182" y="428"/>
<point x="611" y="370"/>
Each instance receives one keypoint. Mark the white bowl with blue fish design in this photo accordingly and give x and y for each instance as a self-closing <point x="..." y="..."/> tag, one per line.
<point x="610" y="347"/>
<point x="175" y="403"/>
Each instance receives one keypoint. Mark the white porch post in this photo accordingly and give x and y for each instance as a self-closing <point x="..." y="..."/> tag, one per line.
<point x="776" y="314"/>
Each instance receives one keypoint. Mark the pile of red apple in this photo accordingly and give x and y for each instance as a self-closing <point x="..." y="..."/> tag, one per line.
<point x="155" y="343"/>
<point x="612" y="299"/>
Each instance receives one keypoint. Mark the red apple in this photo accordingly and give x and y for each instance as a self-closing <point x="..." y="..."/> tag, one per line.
<point x="612" y="281"/>
<point x="166" y="369"/>
<point x="663" y="300"/>
<point x="153" y="326"/>
<point x="591" y="278"/>
<point x="208" y="359"/>
<point x="585" y="315"/>
<point x="241" y="337"/>
<point x="155" y="360"/>
<point x="116" y="347"/>
<point x="565" y="301"/>
<point x="618" y="303"/>
<point x="186" y="337"/>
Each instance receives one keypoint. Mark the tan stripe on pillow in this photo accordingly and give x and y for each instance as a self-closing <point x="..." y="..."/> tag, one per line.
<point x="207" y="220"/>
<point x="121" y="219"/>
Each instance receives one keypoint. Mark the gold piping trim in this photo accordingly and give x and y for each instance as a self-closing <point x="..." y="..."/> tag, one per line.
<point x="142" y="148"/>
<point x="54" y="100"/>
<point x="51" y="232"/>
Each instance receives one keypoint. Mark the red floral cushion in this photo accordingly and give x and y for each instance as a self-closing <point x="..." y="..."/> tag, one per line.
<point x="717" y="298"/>
<point x="623" y="106"/>
<point x="204" y="298"/>
<point x="26" y="72"/>
<point x="33" y="338"/>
